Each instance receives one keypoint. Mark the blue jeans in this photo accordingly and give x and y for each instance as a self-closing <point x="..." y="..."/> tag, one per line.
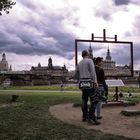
<point x="88" y="113"/>
<point x="98" y="109"/>
<point x="99" y="104"/>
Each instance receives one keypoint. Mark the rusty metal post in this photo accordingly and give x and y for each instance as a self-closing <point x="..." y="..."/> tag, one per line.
<point x="92" y="36"/>
<point x="104" y="34"/>
<point x="131" y="50"/>
<point x="75" y="53"/>
<point x="115" y="38"/>
<point x="139" y="79"/>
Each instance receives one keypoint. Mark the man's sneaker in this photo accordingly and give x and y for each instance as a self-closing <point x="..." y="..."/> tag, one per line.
<point x="93" y="121"/>
<point x="100" y="117"/>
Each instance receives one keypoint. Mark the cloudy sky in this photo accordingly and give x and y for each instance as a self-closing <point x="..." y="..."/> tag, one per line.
<point x="38" y="29"/>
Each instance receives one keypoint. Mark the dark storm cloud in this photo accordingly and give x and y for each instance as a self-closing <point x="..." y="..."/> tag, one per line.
<point x="121" y="2"/>
<point x="57" y="31"/>
<point x="41" y="30"/>
<point x="43" y="35"/>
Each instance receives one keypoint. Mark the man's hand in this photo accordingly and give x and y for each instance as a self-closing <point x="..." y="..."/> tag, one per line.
<point x="96" y="86"/>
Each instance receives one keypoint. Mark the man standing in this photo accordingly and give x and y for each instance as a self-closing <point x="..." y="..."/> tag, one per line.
<point x="86" y="70"/>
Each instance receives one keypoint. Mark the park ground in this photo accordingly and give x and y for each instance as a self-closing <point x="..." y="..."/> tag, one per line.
<point x="30" y="118"/>
<point x="113" y="122"/>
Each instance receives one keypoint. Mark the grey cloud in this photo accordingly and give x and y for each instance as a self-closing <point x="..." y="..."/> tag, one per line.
<point x="136" y="27"/>
<point x="137" y="52"/>
<point x="29" y="4"/>
<point x="121" y="2"/>
<point x="106" y="12"/>
<point x="44" y="36"/>
<point x="47" y="35"/>
<point x="122" y="55"/>
<point x="106" y="15"/>
<point x="122" y="58"/>
<point x="128" y="34"/>
<point x="137" y="2"/>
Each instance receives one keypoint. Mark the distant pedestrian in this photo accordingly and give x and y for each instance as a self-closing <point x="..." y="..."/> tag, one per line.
<point x="120" y="95"/>
<point x="129" y="94"/>
<point x="61" y="86"/>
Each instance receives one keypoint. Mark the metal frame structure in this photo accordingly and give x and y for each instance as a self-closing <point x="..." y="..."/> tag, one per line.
<point x="105" y="40"/>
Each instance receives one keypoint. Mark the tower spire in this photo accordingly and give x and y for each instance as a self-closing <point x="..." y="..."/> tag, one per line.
<point x="50" y="63"/>
<point x="90" y="51"/>
<point x="108" y="57"/>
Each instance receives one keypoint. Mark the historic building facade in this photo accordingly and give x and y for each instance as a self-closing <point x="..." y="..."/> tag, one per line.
<point x="50" y="69"/>
<point x="110" y="67"/>
<point x="4" y="64"/>
<point x="39" y="75"/>
<point x="49" y="74"/>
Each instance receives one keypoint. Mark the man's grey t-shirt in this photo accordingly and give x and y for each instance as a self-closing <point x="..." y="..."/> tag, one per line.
<point x="86" y="69"/>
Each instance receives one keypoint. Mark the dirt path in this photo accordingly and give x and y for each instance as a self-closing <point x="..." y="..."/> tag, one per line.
<point x="113" y="122"/>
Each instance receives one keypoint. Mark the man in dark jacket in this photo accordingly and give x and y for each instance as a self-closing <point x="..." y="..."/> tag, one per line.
<point x="102" y="87"/>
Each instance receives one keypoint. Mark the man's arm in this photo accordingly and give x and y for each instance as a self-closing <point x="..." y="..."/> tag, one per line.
<point x="93" y="72"/>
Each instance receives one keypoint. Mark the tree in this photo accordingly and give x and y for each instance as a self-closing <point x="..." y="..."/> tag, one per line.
<point x="6" y="5"/>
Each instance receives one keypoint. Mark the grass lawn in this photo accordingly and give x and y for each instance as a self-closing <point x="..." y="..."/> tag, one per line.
<point x="70" y="88"/>
<point x="32" y="120"/>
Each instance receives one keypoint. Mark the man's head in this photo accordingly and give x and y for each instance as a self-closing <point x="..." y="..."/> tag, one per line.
<point x="98" y="60"/>
<point x="85" y="53"/>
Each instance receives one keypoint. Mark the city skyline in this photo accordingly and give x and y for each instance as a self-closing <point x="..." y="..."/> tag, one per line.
<point x="36" y="30"/>
<point x="91" y="55"/>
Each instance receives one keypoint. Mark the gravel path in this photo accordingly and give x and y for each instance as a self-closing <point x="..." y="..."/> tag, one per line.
<point x="112" y="122"/>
